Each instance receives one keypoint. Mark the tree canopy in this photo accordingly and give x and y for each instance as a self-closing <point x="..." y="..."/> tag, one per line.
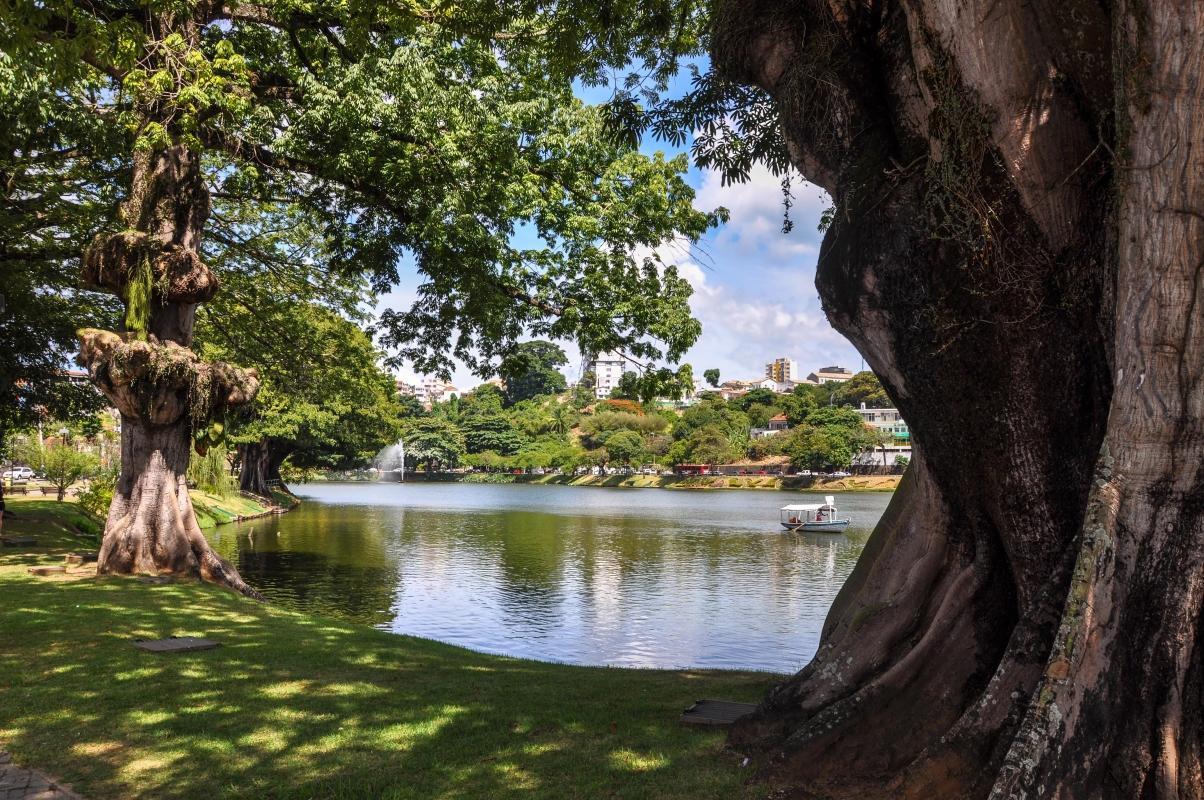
<point x="392" y="134"/>
<point x="533" y="369"/>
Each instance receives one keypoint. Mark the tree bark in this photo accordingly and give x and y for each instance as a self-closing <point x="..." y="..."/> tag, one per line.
<point x="1019" y="231"/>
<point x="166" y="395"/>
<point x="151" y="526"/>
<point x="261" y="464"/>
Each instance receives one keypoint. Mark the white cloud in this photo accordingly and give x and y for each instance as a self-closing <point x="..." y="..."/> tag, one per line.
<point x="756" y="296"/>
<point x="754" y="287"/>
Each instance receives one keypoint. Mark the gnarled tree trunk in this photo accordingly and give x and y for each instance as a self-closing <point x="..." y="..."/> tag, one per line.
<point x="1018" y="238"/>
<point x="261" y="465"/>
<point x="166" y="395"/>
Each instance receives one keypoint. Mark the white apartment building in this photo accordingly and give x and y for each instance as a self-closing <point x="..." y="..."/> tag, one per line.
<point x="435" y="390"/>
<point x="608" y="369"/>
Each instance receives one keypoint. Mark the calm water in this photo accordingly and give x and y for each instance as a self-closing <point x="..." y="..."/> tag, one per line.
<point x="632" y="577"/>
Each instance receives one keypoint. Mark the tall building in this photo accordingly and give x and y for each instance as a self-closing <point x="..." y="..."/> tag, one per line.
<point x="782" y="369"/>
<point x="608" y="369"/>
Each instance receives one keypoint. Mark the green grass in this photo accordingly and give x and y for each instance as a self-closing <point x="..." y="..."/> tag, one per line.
<point x="58" y="526"/>
<point x="213" y="510"/>
<point x="296" y="706"/>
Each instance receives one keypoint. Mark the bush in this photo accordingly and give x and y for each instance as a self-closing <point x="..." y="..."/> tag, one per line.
<point x="98" y="496"/>
<point x="211" y="472"/>
<point x="625" y="406"/>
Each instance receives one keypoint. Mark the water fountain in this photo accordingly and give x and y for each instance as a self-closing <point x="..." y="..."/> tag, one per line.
<point x="391" y="463"/>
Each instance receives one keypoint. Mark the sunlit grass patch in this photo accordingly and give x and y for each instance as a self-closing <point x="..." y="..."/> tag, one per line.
<point x="295" y="706"/>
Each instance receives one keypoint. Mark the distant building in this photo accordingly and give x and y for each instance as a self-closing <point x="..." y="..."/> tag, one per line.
<point x="79" y="377"/>
<point x="775" y="426"/>
<point x="764" y="383"/>
<point x="888" y="420"/>
<point x="830" y="375"/>
<point x="608" y="369"/>
<point x="429" y="392"/>
<point x="782" y="369"/>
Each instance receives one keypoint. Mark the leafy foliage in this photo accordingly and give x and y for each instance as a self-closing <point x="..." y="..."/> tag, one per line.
<point x="323" y="397"/>
<point x="491" y="432"/>
<point x="533" y="369"/>
<point x="864" y="387"/>
<point x="56" y="191"/>
<point x="395" y="133"/>
<point x="625" y="446"/>
<point x="434" y="442"/>
<point x="62" y="464"/>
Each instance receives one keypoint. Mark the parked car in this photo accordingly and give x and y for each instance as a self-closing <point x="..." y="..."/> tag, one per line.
<point x="841" y="474"/>
<point x="18" y="474"/>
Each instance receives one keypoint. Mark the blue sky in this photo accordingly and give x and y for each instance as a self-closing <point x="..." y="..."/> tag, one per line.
<point x="754" y="287"/>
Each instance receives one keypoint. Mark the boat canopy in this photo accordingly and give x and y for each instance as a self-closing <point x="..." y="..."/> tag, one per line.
<point x="829" y="502"/>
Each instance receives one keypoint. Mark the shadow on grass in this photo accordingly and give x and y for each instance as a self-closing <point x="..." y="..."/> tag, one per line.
<point x="299" y="706"/>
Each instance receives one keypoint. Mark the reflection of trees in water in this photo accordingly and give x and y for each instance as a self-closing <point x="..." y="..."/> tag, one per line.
<point x="327" y="559"/>
<point x="531" y="557"/>
<point x="584" y="586"/>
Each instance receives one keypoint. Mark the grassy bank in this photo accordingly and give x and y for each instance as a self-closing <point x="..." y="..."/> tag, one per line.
<point x="213" y="510"/>
<point x="294" y="706"/>
<point x="857" y="483"/>
<point x="35" y="512"/>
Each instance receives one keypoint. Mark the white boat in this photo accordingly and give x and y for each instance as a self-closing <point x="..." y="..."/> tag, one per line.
<point x="816" y="517"/>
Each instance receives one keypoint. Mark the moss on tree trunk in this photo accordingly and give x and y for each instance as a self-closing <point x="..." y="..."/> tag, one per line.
<point x="163" y="391"/>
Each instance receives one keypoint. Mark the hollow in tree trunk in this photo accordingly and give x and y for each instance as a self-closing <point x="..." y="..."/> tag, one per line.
<point x="166" y="395"/>
<point x="1016" y="249"/>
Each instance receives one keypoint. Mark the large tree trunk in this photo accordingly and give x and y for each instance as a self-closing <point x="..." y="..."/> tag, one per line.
<point x="151" y="526"/>
<point x="1019" y="233"/>
<point x="167" y="397"/>
<point x="261" y="465"/>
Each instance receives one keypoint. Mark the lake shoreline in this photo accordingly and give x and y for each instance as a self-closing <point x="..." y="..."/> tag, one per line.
<point x="397" y="715"/>
<point x="855" y="483"/>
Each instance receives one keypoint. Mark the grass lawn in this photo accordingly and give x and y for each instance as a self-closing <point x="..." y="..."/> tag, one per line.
<point x="304" y="707"/>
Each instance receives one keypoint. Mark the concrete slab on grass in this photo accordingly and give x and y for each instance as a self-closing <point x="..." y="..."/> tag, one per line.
<point x="176" y="644"/>
<point x="716" y="712"/>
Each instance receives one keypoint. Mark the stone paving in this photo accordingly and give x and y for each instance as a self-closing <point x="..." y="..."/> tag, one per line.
<point x="19" y="783"/>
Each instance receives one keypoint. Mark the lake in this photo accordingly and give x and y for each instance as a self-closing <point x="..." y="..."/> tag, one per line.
<point x="582" y="575"/>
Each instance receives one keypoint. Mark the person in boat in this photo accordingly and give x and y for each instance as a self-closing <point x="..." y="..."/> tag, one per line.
<point x="819" y="515"/>
<point x="793" y="519"/>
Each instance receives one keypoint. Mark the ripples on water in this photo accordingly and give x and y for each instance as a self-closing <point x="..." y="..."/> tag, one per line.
<point x="630" y="577"/>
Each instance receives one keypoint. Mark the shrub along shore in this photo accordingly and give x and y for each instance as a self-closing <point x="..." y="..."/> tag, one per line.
<point x="856" y="483"/>
<point x="297" y="706"/>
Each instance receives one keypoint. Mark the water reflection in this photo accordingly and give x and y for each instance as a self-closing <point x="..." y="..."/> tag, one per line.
<point x="589" y="576"/>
